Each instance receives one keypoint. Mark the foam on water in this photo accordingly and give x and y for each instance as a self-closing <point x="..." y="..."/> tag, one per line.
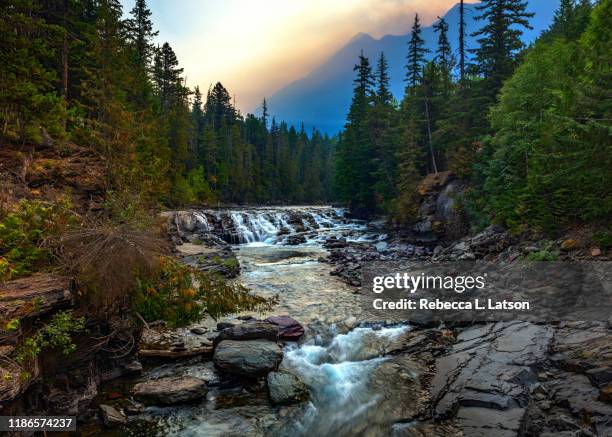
<point x="337" y="374"/>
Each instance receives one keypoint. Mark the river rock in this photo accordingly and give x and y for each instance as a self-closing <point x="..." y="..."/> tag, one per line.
<point x="296" y="239"/>
<point x="249" y="358"/>
<point x="112" y="417"/>
<point x="289" y="328"/>
<point x="252" y="330"/>
<point x="223" y="325"/>
<point x="286" y="388"/>
<point x="186" y="221"/>
<point x="171" y="390"/>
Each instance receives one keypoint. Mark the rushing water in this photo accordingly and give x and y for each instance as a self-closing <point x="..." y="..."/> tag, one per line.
<point x="336" y="358"/>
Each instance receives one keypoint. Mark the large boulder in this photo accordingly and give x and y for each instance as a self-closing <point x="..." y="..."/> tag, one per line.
<point x="289" y="328"/>
<point x="251" y="358"/>
<point x="252" y="330"/>
<point x="186" y="221"/>
<point x="171" y="390"/>
<point x="286" y="388"/>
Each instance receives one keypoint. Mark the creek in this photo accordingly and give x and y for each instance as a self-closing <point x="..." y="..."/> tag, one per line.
<point x="341" y="362"/>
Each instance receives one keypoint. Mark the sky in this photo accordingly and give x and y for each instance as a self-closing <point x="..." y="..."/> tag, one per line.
<point x="255" y="47"/>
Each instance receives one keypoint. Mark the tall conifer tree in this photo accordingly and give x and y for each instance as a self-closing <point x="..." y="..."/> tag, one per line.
<point x="416" y="55"/>
<point x="499" y="40"/>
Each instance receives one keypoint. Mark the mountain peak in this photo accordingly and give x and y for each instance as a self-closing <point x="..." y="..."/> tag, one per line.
<point x="360" y="36"/>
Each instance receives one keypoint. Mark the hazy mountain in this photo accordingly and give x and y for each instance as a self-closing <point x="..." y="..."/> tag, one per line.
<point x="322" y="98"/>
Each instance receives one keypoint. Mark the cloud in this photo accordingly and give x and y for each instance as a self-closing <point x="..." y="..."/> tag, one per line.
<point x="255" y="47"/>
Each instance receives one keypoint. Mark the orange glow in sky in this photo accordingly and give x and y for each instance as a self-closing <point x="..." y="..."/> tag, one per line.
<point x="255" y="47"/>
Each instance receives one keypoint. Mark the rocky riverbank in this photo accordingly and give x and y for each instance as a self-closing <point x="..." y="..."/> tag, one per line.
<point x="312" y="366"/>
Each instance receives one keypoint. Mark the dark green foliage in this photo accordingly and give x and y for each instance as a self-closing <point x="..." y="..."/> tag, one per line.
<point x="603" y="239"/>
<point x="416" y="54"/>
<point x="57" y="334"/>
<point x="550" y="161"/>
<point x="24" y="233"/>
<point x="499" y="40"/>
<point x="28" y="97"/>
<point x="529" y="128"/>
<point x="354" y="159"/>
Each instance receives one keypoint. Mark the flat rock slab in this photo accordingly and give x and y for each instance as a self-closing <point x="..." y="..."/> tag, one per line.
<point x="112" y="417"/>
<point x="251" y="358"/>
<point x="252" y="330"/>
<point x="484" y="381"/>
<point x="484" y="422"/>
<point x="35" y="295"/>
<point x="289" y="328"/>
<point x="171" y="390"/>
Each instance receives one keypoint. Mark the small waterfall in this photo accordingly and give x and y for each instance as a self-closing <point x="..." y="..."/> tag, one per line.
<point x="203" y="221"/>
<point x="270" y="225"/>
<point x="241" y="227"/>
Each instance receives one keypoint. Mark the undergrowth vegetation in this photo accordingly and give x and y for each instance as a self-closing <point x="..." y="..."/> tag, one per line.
<point x="56" y="334"/>
<point x="25" y="234"/>
<point x="180" y="294"/>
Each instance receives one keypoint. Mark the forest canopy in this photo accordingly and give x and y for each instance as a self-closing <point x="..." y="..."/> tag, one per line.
<point x="82" y="73"/>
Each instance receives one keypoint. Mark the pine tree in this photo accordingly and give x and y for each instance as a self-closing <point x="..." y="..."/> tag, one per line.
<point x="444" y="57"/>
<point x="499" y="40"/>
<point x="167" y="76"/>
<point x="416" y="55"/>
<point x="444" y="54"/>
<point x="383" y="130"/>
<point x="140" y="33"/>
<point x="354" y="159"/>
<point x="264" y="113"/>
<point x="382" y="80"/>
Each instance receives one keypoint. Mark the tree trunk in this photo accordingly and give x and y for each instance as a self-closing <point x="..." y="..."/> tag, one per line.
<point x="431" y="149"/>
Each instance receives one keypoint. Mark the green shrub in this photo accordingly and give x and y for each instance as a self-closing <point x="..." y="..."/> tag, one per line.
<point x="180" y="295"/>
<point x="57" y="334"/>
<point x="603" y="239"/>
<point x="542" y="255"/>
<point x="24" y="232"/>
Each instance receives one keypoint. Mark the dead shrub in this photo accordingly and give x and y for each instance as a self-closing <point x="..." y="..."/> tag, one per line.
<point x="107" y="258"/>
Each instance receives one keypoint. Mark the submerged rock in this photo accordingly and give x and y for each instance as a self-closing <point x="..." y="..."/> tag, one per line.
<point x="289" y="328"/>
<point x="171" y="390"/>
<point x="286" y="388"/>
<point x="250" y="358"/>
<point x="294" y="240"/>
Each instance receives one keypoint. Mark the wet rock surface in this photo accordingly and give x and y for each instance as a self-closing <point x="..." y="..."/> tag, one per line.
<point x="170" y="390"/>
<point x="286" y="388"/>
<point x="250" y="358"/>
